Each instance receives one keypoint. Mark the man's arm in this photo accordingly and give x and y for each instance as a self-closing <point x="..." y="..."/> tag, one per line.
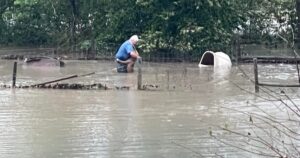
<point x="134" y="54"/>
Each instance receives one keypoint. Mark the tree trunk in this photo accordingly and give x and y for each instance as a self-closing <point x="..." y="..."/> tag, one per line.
<point x="3" y="6"/>
<point x="73" y="24"/>
<point x="93" y="43"/>
<point x="297" y="40"/>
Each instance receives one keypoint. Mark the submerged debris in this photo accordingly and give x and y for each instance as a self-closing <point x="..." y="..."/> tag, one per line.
<point x="96" y="86"/>
<point x="12" y="57"/>
<point x="122" y="87"/>
<point x="150" y="87"/>
<point x="77" y="86"/>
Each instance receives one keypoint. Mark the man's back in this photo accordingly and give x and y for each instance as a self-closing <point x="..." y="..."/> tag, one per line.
<point x="124" y="51"/>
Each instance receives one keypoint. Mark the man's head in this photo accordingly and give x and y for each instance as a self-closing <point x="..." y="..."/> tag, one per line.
<point x="134" y="39"/>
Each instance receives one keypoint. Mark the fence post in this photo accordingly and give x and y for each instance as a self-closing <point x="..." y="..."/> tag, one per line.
<point x="168" y="79"/>
<point x="139" y="76"/>
<point x="14" y="75"/>
<point x="256" y="75"/>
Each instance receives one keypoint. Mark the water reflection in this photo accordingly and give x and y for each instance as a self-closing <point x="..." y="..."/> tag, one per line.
<point x="215" y="73"/>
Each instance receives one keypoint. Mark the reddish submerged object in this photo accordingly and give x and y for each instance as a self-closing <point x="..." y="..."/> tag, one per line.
<point x="44" y="61"/>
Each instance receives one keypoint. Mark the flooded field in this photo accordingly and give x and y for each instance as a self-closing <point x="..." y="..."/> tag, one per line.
<point x="181" y="114"/>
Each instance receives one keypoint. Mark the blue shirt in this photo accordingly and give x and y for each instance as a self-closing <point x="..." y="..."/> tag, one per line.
<point x="124" y="51"/>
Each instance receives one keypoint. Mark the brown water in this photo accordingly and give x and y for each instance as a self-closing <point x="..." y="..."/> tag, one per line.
<point x="171" y="120"/>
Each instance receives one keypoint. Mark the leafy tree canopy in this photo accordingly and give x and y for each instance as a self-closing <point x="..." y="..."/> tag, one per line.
<point x="187" y="26"/>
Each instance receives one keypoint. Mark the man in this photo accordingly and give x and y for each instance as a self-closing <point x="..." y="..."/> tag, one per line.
<point x="127" y="55"/>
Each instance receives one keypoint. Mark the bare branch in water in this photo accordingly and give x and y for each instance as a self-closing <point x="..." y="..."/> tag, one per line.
<point x="268" y="134"/>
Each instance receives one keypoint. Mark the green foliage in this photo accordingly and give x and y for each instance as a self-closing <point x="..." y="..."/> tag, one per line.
<point x="266" y="19"/>
<point x="187" y="26"/>
<point x="85" y="45"/>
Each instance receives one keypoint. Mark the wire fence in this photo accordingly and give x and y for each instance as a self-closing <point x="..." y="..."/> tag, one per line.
<point x="238" y="50"/>
<point x="103" y="54"/>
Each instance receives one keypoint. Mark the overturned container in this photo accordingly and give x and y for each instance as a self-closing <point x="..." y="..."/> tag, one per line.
<point x="215" y="59"/>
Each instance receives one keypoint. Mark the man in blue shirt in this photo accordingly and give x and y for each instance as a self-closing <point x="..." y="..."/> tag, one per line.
<point x="127" y="55"/>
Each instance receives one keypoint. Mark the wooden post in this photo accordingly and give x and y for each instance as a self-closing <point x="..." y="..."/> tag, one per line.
<point x="256" y="75"/>
<point x="139" y="82"/>
<point x="139" y="76"/>
<point x="168" y="79"/>
<point x="14" y="75"/>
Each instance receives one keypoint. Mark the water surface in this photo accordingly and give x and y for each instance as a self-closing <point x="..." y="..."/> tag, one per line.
<point x="173" y="119"/>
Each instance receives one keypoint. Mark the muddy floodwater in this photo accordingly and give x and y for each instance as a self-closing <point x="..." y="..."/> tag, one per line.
<point x="175" y="117"/>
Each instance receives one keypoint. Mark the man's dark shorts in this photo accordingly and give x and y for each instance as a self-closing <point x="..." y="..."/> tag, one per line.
<point x="121" y="67"/>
